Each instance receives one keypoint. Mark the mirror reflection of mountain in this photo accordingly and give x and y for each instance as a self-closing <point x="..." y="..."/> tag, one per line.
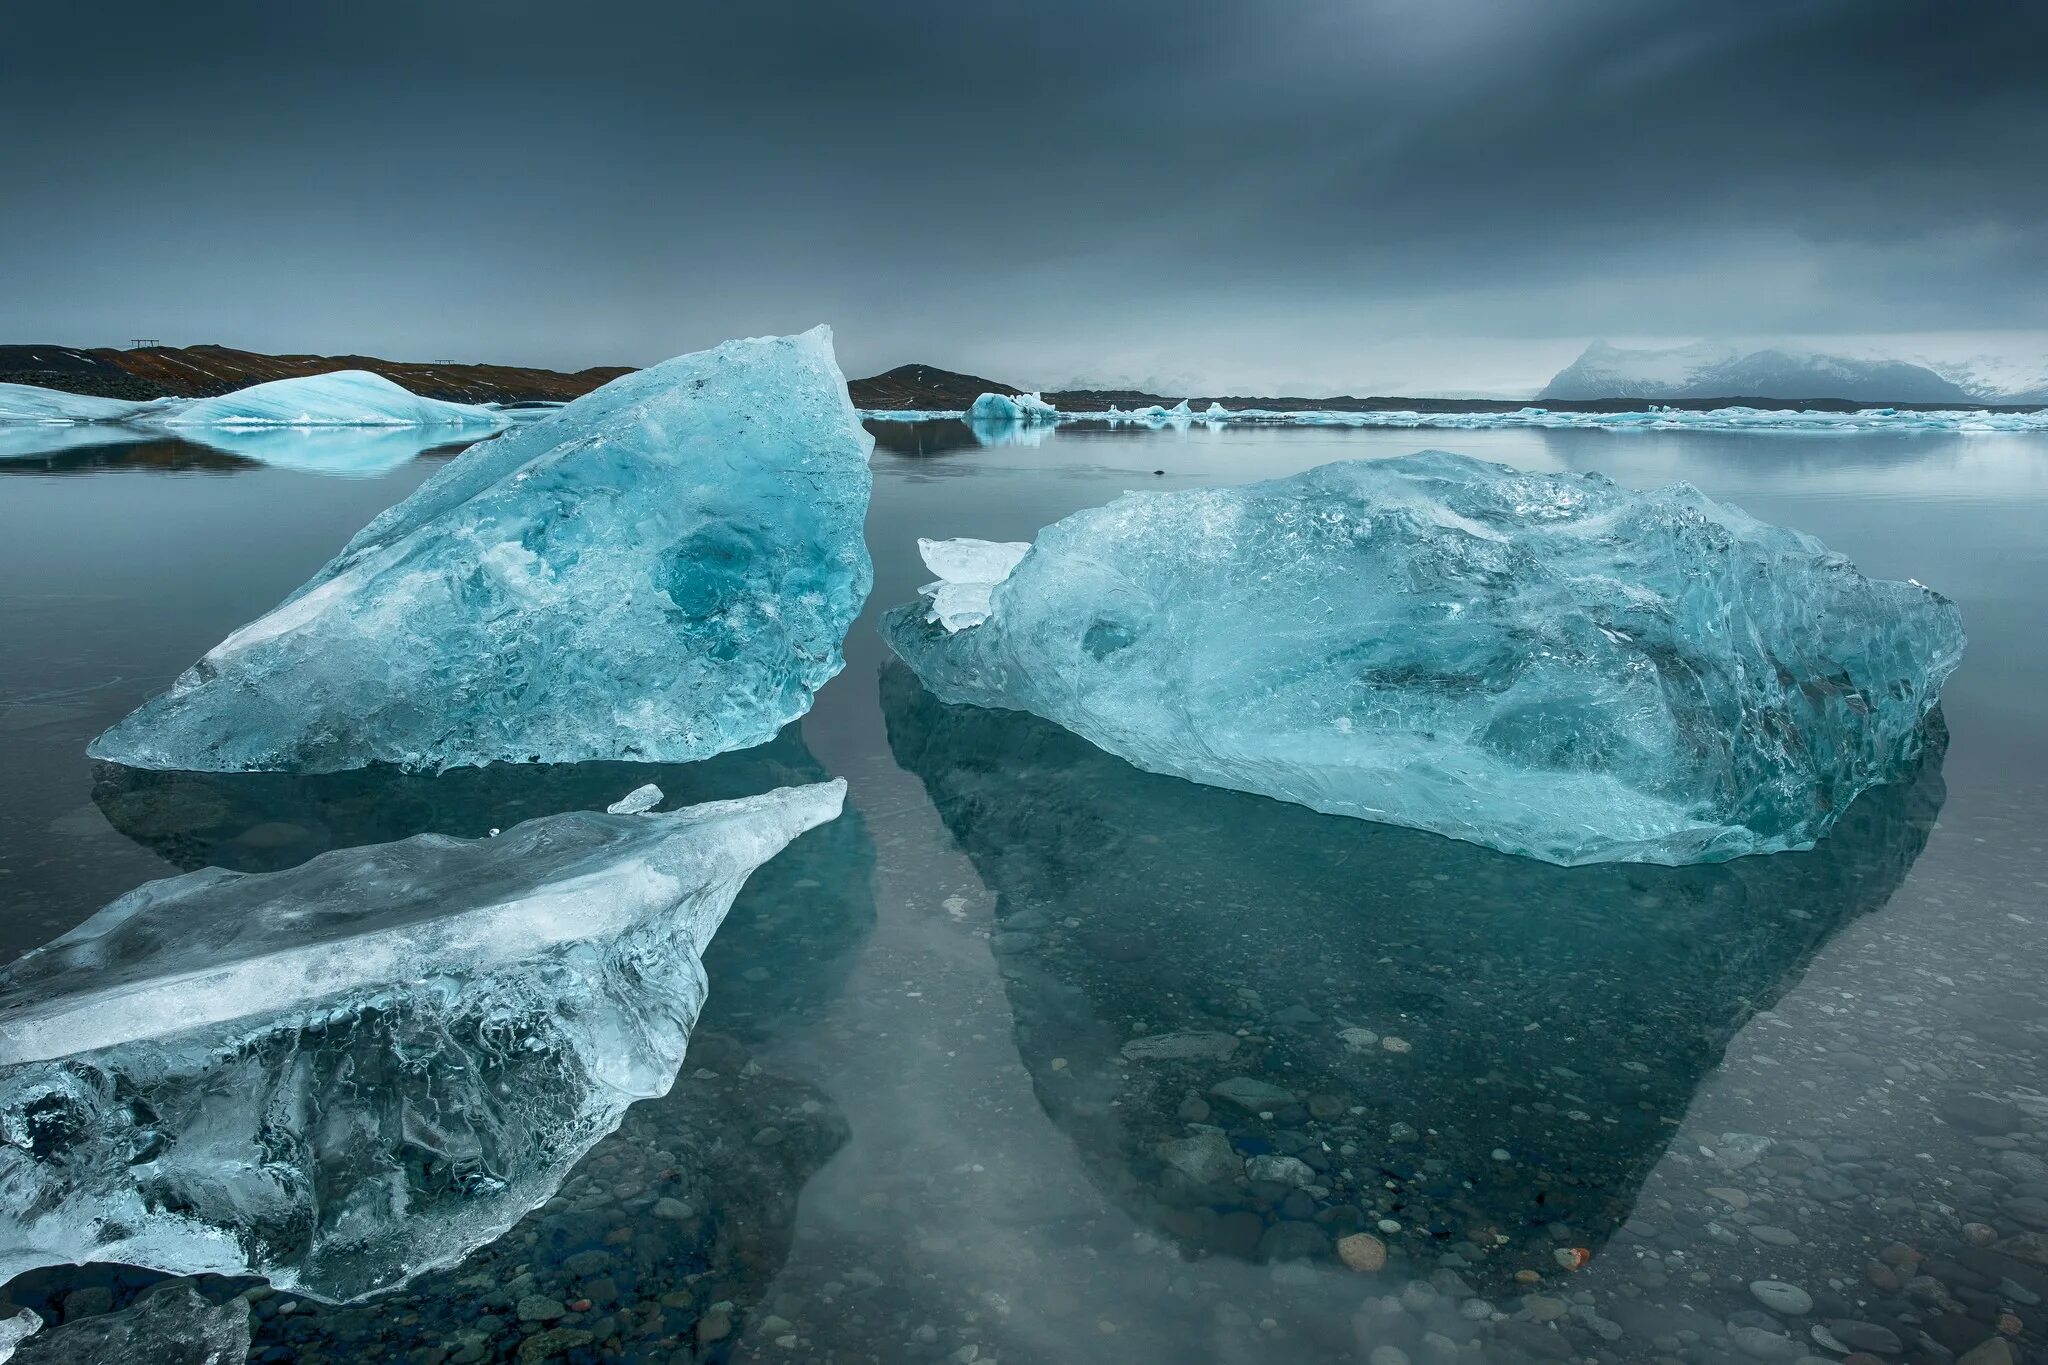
<point x="90" y="449"/>
<point x="658" y="1247"/>
<point x="941" y="436"/>
<point x="1266" y="1030"/>
<point x="783" y="951"/>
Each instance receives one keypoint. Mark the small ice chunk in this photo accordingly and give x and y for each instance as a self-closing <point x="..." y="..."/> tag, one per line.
<point x="15" y="1330"/>
<point x="342" y="1075"/>
<point x="173" y="1325"/>
<point x="969" y="572"/>
<point x="636" y="801"/>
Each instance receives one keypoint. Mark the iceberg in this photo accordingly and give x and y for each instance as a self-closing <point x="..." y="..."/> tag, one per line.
<point x="1549" y="665"/>
<point x="968" y="572"/>
<point x="172" y="1325"/>
<point x="1018" y="408"/>
<point x="340" y="1075"/>
<point x="663" y="570"/>
<point x="343" y="398"/>
<point x="26" y="403"/>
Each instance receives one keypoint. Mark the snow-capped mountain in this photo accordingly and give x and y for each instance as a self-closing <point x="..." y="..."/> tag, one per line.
<point x="1995" y="378"/>
<point x="1719" y="370"/>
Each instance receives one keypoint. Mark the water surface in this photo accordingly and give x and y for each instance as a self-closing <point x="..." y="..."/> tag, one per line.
<point x="927" y="1115"/>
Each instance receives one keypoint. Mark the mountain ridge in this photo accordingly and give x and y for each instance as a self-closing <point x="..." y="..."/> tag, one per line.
<point x="1704" y="375"/>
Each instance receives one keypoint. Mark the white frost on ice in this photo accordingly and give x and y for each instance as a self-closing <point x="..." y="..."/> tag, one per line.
<point x="969" y="572"/>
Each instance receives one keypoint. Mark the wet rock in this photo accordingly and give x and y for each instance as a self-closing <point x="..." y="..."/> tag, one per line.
<point x="1780" y="1297"/>
<point x="540" y="1308"/>
<point x="1865" y="1336"/>
<point x="1293" y="1241"/>
<point x="1282" y="1170"/>
<point x="1181" y="1047"/>
<point x="1206" y="1157"/>
<point x="1363" y="1252"/>
<point x="1980" y="1114"/>
<point x="1250" y="1093"/>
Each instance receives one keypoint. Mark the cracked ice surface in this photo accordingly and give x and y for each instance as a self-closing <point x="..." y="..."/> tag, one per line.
<point x="341" y="1075"/>
<point x="1545" y="664"/>
<point x="663" y="570"/>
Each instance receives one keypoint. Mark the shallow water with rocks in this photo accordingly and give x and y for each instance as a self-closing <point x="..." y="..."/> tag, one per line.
<point x="1033" y="1056"/>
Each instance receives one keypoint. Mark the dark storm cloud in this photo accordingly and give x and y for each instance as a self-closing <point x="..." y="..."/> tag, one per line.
<point x="1294" y="188"/>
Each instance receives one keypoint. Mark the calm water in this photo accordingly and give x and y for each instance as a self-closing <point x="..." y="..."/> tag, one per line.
<point x="919" y="1120"/>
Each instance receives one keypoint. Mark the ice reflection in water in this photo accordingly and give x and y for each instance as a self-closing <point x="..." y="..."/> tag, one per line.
<point x="1266" y="1030"/>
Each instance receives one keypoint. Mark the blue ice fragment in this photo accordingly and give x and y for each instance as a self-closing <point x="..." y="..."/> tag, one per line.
<point x="663" y="570"/>
<point x="364" y="1067"/>
<point x="1547" y="664"/>
<point x="999" y="408"/>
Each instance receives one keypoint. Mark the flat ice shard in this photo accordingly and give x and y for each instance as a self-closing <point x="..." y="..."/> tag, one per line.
<point x="1002" y="407"/>
<point x="173" y="1325"/>
<point x="343" y="1074"/>
<point x="663" y="570"/>
<point x="343" y="398"/>
<point x="968" y="572"/>
<point x="1545" y="664"/>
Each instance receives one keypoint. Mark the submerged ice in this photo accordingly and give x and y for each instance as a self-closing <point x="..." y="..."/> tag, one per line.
<point x="1544" y="664"/>
<point x="663" y="570"/>
<point x="340" y="1075"/>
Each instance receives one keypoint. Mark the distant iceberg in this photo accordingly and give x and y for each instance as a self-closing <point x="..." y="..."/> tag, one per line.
<point x="344" y="1074"/>
<point x="343" y="398"/>
<point x="26" y="403"/>
<point x="1549" y="665"/>
<point x="1021" y="408"/>
<point x="661" y="571"/>
<point x="1788" y="421"/>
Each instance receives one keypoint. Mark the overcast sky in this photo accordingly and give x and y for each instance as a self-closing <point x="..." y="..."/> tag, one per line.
<point x="1306" y="195"/>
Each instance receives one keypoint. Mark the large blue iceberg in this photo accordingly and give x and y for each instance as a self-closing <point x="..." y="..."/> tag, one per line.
<point x="663" y="570"/>
<point x="341" y="1075"/>
<point x="1547" y="664"/>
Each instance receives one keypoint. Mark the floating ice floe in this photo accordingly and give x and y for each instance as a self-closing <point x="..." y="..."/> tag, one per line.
<point x="340" y="1075"/>
<point x="1649" y="419"/>
<point x="172" y="1325"/>
<point x="663" y="570"/>
<point x="1002" y="407"/>
<point x="1545" y="664"/>
<point x="968" y="572"/>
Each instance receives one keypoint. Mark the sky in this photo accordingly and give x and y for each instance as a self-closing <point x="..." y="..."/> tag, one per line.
<point x="1308" y="196"/>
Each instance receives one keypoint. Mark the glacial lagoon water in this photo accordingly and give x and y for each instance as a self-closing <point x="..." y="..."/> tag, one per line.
<point x="1033" y="1056"/>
